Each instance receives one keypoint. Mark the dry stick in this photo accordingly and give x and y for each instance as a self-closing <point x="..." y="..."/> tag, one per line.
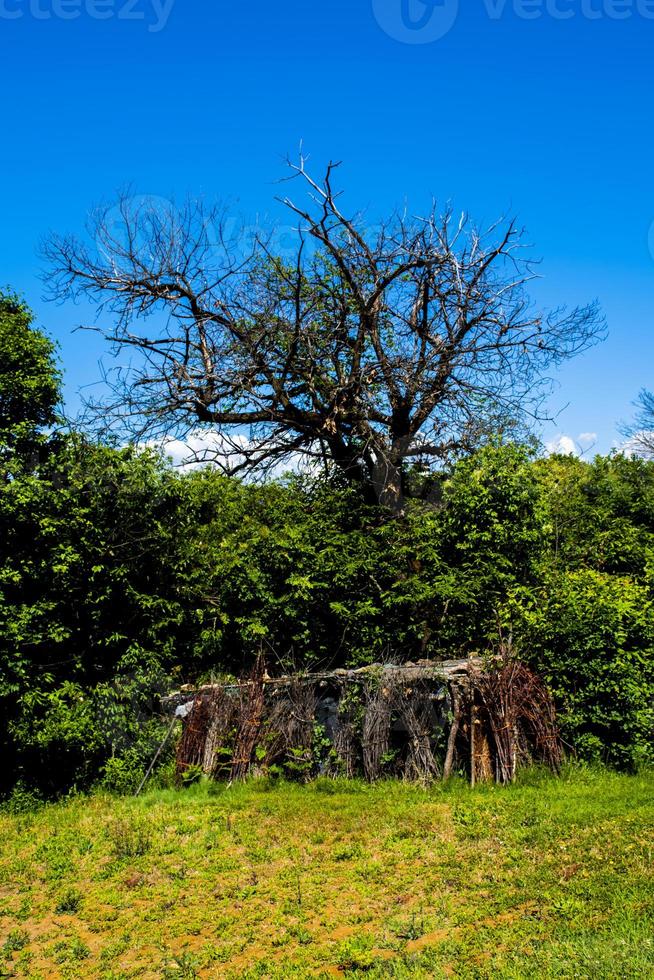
<point x="414" y="707"/>
<point x="517" y="701"/>
<point x="473" y="719"/>
<point x="375" y="736"/>
<point x="454" y="731"/>
<point x="250" y="723"/>
<point x="156" y="756"/>
<point x="194" y="735"/>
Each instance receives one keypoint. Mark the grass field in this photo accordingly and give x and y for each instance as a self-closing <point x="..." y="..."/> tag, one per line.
<point x="551" y="878"/>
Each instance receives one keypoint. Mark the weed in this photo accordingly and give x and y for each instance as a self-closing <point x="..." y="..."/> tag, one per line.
<point x="22" y="801"/>
<point x="191" y="775"/>
<point x="414" y="929"/>
<point x="129" y="838"/>
<point x="15" y="941"/>
<point x="355" y="955"/>
<point x="301" y="935"/>
<point x="71" y="951"/>
<point x="182" y="967"/>
<point x="323" y="784"/>
<point x="69" y="902"/>
<point x="57" y="854"/>
<point x="348" y="852"/>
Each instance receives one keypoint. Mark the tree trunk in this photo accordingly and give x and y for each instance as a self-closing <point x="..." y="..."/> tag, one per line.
<point x="388" y="485"/>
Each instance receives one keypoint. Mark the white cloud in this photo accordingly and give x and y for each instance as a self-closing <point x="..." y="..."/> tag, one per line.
<point x="198" y="449"/>
<point x="639" y="444"/>
<point x="207" y="447"/>
<point x="564" y="445"/>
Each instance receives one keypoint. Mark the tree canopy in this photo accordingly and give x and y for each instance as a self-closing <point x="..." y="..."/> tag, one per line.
<point x="372" y="350"/>
<point x="29" y="382"/>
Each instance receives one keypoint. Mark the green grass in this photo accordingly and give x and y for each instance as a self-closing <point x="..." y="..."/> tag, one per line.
<point x="549" y="878"/>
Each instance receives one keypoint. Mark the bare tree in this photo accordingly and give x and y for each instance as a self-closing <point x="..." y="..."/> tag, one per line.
<point x="371" y="350"/>
<point x="640" y="435"/>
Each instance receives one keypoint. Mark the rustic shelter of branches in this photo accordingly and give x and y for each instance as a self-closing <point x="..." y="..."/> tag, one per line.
<point x="420" y="722"/>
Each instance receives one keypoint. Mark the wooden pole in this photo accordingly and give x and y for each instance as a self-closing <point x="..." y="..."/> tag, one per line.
<point x="454" y="731"/>
<point x="156" y="756"/>
<point x="473" y="723"/>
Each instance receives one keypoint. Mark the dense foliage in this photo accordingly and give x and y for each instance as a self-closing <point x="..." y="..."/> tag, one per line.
<point x="119" y="577"/>
<point x="29" y="384"/>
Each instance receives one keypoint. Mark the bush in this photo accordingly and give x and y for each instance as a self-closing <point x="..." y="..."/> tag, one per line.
<point x="119" y="579"/>
<point x="123" y="774"/>
<point x="129" y="838"/>
<point x="69" y="903"/>
<point x="591" y="636"/>
<point x="22" y="800"/>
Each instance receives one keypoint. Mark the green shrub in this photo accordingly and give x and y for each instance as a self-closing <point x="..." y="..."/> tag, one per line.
<point x="15" y="941"/>
<point x="192" y="775"/>
<point x="119" y="579"/>
<point x="22" y="800"/>
<point x="123" y="774"/>
<point x="591" y="636"/>
<point x="129" y="838"/>
<point x="69" y="902"/>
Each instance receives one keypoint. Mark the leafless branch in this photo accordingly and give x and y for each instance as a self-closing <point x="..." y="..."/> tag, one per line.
<point x="407" y="342"/>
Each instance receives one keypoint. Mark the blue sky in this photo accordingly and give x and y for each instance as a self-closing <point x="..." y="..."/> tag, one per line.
<point x="543" y="109"/>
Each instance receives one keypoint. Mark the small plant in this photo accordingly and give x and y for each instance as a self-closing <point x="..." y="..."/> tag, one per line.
<point x="183" y="967"/>
<point x="71" y="951"/>
<point x="301" y="935"/>
<point x="354" y="955"/>
<point x="129" y="839"/>
<point x="123" y="774"/>
<point x="351" y="707"/>
<point x="388" y="758"/>
<point x="413" y="930"/>
<point x="57" y="854"/>
<point x="223" y="756"/>
<point x="69" y="903"/>
<point x="469" y="821"/>
<point x="22" y="800"/>
<point x="324" y="785"/>
<point x="15" y="941"/>
<point x="191" y="775"/>
<point x="348" y="852"/>
<point x="298" y="764"/>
